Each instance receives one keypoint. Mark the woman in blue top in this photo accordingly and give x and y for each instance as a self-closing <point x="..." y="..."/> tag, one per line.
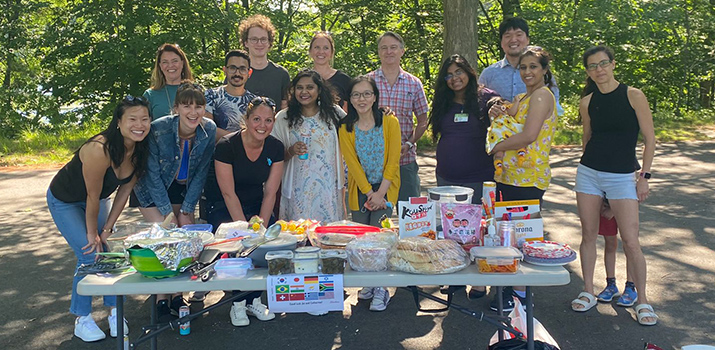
<point x="170" y="68"/>
<point x="180" y="149"/>
<point x="78" y="198"/>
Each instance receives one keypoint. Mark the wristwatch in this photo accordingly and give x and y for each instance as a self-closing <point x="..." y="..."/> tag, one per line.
<point x="410" y="144"/>
<point x="645" y="175"/>
<point x="183" y="212"/>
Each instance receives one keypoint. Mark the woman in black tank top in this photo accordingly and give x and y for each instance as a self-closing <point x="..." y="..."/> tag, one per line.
<point x="78" y="198"/>
<point x="613" y="114"/>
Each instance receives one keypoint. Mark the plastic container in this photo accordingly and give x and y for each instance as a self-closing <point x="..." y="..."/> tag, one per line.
<point x="449" y="194"/>
<point x="500" y="260"/>
<point x="232" y="267"/>
<point x="146" y="263"/>
<point x="333" y="261"/>
<point x="280" y="262"/>
<point x="198" y="227"/>
<point x="285" y="241"/>
<point x="306" y="260"/>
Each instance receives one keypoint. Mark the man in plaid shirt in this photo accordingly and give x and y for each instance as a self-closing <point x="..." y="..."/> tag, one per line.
<point x="404" y="94"/>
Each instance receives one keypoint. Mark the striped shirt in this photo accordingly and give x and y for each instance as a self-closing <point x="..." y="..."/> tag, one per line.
<point x="506" y="81"/>
<point x="405" y="97"/>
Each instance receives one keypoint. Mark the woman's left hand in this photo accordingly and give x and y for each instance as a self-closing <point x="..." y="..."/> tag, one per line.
<point x="94" y="244"/>
<point x="185" y="219"/>
<point x="642" y="189"/>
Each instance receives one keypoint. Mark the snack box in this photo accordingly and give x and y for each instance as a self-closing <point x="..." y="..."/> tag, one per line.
<point x="332" y="261"/>
<point x="280" y="262"/>
<point x="505" y="260"/>
<point x="305" y="260"/>
<point x="232" y="267"/>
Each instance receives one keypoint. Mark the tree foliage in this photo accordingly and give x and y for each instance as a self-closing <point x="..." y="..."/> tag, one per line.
<point x="89" y="54"/>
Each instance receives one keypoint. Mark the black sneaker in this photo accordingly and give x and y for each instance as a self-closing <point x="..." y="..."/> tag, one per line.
<point x="177" y="302"/>
<point x="163" y="312"/>
<point x="507" y="300"/>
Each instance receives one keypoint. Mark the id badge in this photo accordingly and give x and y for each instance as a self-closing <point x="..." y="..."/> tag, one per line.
<point x="461" y="118"/>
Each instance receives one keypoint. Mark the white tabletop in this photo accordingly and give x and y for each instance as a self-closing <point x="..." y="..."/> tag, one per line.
<point x="134" y="283"/>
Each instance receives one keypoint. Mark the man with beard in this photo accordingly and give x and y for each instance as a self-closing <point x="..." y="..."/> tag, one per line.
<point x="227" y="104"/>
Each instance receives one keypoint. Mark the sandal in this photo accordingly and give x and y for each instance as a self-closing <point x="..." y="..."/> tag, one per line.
<point x="587" y="305"/>
<point x="608" y="293"/>
<point x="647" y="313"/>
<point x="628" y="298"/>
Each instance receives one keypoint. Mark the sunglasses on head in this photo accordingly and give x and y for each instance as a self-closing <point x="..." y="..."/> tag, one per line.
<point x="263" y="100"/>
<point x="130" y="98"/>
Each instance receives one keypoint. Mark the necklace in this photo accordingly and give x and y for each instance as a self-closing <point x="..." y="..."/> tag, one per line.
<point x="168" y="100"/>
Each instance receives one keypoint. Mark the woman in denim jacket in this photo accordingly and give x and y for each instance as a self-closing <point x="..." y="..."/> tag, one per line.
<point x="180" y="149"/>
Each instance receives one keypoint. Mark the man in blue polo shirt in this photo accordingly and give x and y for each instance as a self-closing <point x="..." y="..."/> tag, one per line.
<point x="503" y="76"/>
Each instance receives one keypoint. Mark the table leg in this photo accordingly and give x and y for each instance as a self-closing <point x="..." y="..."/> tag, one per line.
<point x="120" y="322"/>
<point x="153" y="318"/>
<point x="529" y="320"/>
<point x="500" y="308"/>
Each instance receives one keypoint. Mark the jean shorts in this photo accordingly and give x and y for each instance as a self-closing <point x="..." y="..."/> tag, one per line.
<point x="604" y="184"/>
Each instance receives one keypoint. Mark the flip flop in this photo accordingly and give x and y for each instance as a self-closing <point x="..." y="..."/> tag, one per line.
<point x="586" y="305"/>
<point x="648" y="313"/>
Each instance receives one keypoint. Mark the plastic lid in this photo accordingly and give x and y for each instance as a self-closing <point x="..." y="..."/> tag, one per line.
<point x="308" y="249"/>
<point x="458" y="192"/>
<point x="495" y="252"/>
<point x="333" y="253"/>
<point x="305" y="256"/>
<point x="279" y="254"/>
<point x="233" y="263"/>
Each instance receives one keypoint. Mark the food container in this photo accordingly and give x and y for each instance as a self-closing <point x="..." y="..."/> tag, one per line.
<point x="115" y="242"/>
<point x="284" y="241"/>
<point x="496" y="259"/>
<point x="449" y="194"/>
<point x="368" y="254"/>
<point x="146" y="263"/>
<point x="333" y="261"/>
<point x="198" y="227"/>
<point x="232" y="267"/>
<point x="280" y="262"/>
<point x="305" y="260"/>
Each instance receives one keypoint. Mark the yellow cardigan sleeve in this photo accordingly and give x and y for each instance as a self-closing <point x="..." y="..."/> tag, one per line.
<point x="393" y="144"/>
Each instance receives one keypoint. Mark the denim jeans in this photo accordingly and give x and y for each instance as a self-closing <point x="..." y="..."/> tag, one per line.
<point x="70" y="221"/>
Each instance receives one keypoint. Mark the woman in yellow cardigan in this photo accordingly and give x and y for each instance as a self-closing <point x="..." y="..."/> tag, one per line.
<point x="370" y="143"/>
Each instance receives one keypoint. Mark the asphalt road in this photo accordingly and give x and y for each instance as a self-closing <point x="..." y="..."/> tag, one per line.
<point x="677" y="235"/>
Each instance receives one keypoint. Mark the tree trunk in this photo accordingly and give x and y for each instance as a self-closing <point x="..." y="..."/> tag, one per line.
<point x="244" y="2"/>
<point x="460" y="29"/>
<point x="705" y="93"/>
<point x="510" y="8"/>
<point x="421" y="31"/>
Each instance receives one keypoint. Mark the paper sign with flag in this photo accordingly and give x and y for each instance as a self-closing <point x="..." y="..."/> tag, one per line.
<point x="298" y="293"/>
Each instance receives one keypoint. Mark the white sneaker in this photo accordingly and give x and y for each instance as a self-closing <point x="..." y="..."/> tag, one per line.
<point x="112" y="319"/>
<point x="259" y="310"/>
<point x="380" y="300"/>
<point x="86" y="329"/>
<point x="199" y="296"/>
<point x="238" y="314"/>
<point x="318" y="313"/>
<point x="366" y="293"/>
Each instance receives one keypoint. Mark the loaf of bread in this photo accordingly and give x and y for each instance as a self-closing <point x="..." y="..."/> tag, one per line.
<point x="425" y="256"/>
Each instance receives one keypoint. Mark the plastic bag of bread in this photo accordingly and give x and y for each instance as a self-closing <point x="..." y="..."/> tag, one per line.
<point x="368" y="253"/>
<point x="425" y="256"/>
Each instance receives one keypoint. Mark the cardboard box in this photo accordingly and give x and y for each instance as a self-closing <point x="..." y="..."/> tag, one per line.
<point x="417" y="217"/>
<point x="531" y="229"/>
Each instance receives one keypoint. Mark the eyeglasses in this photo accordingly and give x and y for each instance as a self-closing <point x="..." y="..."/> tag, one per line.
<point x="603" y="64"/>
<point x="365" y="95"/>
<point x="130" y="98"/>
<point x="457" y="73"/>
<point x="255" y="40"/>
<point x="261" y="100"/>
<point x="233" y="69"/>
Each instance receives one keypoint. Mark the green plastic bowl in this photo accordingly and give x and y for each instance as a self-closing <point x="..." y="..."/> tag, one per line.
<point x="145" y="261"/>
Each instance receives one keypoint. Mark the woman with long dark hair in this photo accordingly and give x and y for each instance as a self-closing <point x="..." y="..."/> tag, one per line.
<point x="308" y="128"/>
<point x="613" y="116"/>
<point x="459" y="122"/>
<point x="78" y="198"/>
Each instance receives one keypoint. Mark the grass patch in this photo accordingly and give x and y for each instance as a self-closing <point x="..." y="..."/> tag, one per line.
<point x="44" y="147"/>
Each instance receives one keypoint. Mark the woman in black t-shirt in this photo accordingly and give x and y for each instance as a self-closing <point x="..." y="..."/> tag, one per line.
<point x="613" y="115"/>
<point x="322" y="51"/>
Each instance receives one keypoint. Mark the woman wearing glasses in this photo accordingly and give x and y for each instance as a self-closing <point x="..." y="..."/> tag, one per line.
<point x="180" y="148"/>
<point x="170" y="68"/>
<point x="78" y="198"/>
<point x="314" y="178"/>
<point x="322" y="51"/>
<point x="249" y="166"/>
<point x="459" y="122"/>
<point x="370" y="143"/>
<point x="613" y="115"/>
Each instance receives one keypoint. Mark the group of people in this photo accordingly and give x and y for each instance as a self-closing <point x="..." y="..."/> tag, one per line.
<point x="321" y="143"/>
